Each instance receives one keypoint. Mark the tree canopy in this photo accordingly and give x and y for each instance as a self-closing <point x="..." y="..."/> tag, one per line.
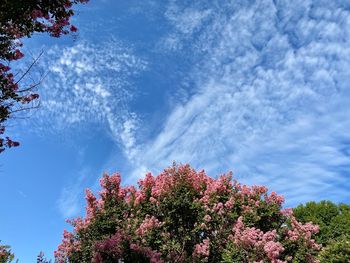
<point x="336" y="252"/>
<point x="333" y="220"/>
<point x="183" y="215"/>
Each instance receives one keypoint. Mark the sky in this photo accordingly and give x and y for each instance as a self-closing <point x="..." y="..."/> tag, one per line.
<point x="259" y="88"/>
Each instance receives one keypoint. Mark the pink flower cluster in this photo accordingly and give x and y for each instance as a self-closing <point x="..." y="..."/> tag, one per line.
<point x="111" y="186"/>
<point x="68" y="245"/>
<point x="110" y="245"/>
<point x="208" y="217"/>
<point x="304" y="233"/>
<point x="92" y="205"/>
<point x="251" y="238"/>
<point x="54" y="19"/>
<point x="5" y="254"/>
<point x="114" y="246"/>
<point x="148" y="224"/>
<point x="202" y="250"/>
<point x="274" y="198"/>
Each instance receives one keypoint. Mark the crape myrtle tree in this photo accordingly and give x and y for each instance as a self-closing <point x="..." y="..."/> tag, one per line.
<point x="6" y="256"/>
<point x="183" y="215"/>
<point x="19" y="19"/>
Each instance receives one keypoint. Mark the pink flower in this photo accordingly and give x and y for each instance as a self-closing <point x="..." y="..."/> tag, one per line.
<point x="73" y="28"/>
<point x="91" y="206"/>
<point x="144" y="227"/>
<point x="273" y="249"/>
<point x="207" y="218"/>
<point x="202" y="249"/>
<point x="37" y="14"/>
<point x="273" y="197"/>
<point x="17" y="55"/>
<point x="148" y="224"/>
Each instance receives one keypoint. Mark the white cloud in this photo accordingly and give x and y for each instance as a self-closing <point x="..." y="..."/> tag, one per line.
<point x="128" y="136"/>
<point x="89" y="84"/>
<point x="272" y="99"/>
<point x="186" y="21"/>
<point x="70" y="202"/>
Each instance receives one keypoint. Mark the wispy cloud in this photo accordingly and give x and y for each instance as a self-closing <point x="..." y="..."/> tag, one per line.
<point x="70" y="202"/>
<point x="88" y="84"/>
<point x="272" y="98"/>
<point x="21" y="193"/>
<point x="269" y="99"/>
<point x="186" y="21"/>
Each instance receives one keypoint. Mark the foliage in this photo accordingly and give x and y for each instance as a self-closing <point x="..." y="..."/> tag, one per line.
<point x="336" y="252"/>
<point x="333" y="220"/>
<point x="6" y="256"/>
<point x="186" y="216"/>
<point x="41" y="258"/>
<point x="18" y="19"/>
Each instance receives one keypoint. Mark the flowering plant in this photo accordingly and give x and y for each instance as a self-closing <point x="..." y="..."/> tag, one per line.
<point x="5" y="254"/>
<point x="183" y="215"/>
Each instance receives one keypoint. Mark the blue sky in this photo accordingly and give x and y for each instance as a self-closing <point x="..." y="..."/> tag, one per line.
<point x="257" y="87"/>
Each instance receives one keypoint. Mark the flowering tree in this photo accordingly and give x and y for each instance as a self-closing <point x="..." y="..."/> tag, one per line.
<point x="18" y="19"/>
<point x="186" y="216"/>
<point x="6" y="256"/>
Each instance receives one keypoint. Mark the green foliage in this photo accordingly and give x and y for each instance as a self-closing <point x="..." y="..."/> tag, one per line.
<point x="337" y="252"/>
<point x="333" y="220"/>
<point x="104" y="225"/>
<point x="41" y="258"/>
<point x="232" y="254"/>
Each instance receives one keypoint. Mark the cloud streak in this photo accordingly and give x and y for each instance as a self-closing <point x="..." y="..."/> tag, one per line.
<point x="271" y="99"/>
<point x="88" y="84"/>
